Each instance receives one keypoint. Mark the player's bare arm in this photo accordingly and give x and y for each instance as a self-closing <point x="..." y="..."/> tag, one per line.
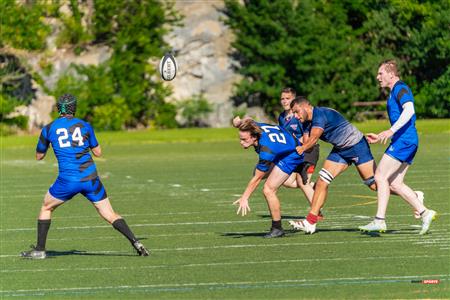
<point x="40" y="156"/>
<point x="310" y="141"/>
<point x="244" y="208"/>
<point x="97" y="151"/>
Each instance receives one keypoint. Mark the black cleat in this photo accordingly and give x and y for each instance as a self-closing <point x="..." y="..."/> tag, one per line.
<point x="274" y="233"/>
<point x="33" y="253"/>
<point x="140" y="248"/>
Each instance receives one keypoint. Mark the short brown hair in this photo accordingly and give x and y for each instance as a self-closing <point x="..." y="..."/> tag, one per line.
<point x="299" y="100"/>
<point x="390" y="66"/>
<point x="289" y="90"/>
<point x="249" y="125"/>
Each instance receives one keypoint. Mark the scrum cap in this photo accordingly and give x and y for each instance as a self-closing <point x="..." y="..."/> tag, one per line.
<point x="67" y="104"/>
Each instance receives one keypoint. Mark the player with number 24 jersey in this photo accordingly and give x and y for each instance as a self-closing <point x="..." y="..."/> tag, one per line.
<point x="72" y="139"/>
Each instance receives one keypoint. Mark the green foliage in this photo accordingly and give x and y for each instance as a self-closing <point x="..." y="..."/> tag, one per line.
<point x="134" y="30"/>
<point x="73" y="32"/>
<point x="330" y="50"/>
<point x="194" y="109"/>
<point x="22" y="25"/>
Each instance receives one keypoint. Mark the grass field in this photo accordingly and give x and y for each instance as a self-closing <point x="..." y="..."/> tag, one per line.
<point x="175" y="189"/>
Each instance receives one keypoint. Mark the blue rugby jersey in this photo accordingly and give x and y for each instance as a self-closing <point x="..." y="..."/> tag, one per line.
<point x="275" y="143"/>
<point x="71" y="140"/>
<point x="291" y="124"/>
<point x="400" y="94"/>
<point x="336" y="129"/>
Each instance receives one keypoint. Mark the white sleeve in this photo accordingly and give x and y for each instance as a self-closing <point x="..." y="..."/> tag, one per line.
<point x="408" y="112"/>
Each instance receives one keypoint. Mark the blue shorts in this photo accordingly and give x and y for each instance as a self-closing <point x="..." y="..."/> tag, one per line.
<point x="402" y="151"/>
<point x="64" y="189"/>
<point x="356" y="154"/>
<point x="289" y="163"/>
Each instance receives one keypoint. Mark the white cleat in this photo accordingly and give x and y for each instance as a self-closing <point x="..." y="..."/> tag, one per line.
<point x="375" y="225"/>
<point x="427" y="217"/>
<point x="421" y="197"/>
<point x="303" y="225"/>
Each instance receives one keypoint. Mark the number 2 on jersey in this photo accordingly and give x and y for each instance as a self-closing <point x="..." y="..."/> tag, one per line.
<point x="274" y="137"/>
<point x="63" y="137"/>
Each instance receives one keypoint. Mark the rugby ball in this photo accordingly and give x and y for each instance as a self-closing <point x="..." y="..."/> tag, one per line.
<point x="168" y="67"/>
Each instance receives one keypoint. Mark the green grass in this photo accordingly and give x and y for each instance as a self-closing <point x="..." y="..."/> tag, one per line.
<point x="175" y="189"/>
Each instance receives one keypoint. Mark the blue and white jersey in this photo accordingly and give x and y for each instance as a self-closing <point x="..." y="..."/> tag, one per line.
<point x="71" y="140"/>
<point x="291" y="124"/>
<point x="336" y="129"/>
<point x="400" y="94"/>
<point x="274" y="145"/>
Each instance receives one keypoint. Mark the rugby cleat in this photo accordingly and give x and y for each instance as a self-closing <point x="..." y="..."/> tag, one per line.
<point x="140" y="249"/>
<point x="303" y="225"/>
<point x="421" y="197"/>
<point x="427" y="217"/>
<point x="274" y="233"/>
<point x="375" y="225"/>
<point x="33" y="253"/>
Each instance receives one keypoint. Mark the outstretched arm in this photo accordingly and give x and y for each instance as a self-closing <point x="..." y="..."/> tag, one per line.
<point x="251" y="186"/>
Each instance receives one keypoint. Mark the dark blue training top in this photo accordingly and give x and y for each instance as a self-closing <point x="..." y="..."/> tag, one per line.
<point x="291" y="124"/>
<point x="336" y="129"/>
<point x="71" y="140"/>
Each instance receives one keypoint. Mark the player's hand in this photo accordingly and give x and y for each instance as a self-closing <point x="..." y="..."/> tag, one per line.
<point x="237" y="121"/>
<point x="243" y="206"/>
<point x="385" y="135"/>
<point x="372" y="138"/>
<point x="299" y="150"/>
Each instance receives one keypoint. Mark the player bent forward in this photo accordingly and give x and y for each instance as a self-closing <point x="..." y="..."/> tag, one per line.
<point x="71" y="140"/>
<point x="274" y="145"/>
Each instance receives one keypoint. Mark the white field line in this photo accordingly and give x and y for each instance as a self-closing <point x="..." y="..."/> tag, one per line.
<point x="239" y="263"/>
<point x="238" y="284"/>
<point x="244" y="246"/>
<point x="348" y="221"/>
<point x="348" y="218"/>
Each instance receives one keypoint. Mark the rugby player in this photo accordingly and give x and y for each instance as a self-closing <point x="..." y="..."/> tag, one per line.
<point x="399" y="155"/>
<point x="274" y="146"/>
<point x="349" y="147"/>
<point x="72" y="139"/>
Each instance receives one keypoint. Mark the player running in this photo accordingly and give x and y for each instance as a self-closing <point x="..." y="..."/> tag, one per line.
<point x="71" y="140"/>
<point x="400" y="154"/>
<point x="349" y="147"/>
<point x="274" y="145"/>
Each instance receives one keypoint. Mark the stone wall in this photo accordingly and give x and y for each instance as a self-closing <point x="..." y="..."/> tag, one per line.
<point x="202" y="46"/>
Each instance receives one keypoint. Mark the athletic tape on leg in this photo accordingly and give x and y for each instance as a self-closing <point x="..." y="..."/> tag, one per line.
<point x="326" y="176"/>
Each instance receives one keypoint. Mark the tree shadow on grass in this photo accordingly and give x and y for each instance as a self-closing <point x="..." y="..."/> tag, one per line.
<point x="54" y="253"/>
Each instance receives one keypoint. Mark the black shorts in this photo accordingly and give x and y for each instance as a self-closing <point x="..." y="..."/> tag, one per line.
<point x="310" y="159"/>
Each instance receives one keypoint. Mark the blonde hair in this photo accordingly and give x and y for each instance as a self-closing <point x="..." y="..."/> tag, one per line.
<point x="391" y="67"/>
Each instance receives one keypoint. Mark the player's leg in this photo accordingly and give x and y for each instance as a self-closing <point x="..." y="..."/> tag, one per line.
<point x="387" y="167"/>
<point x="275" y="180"/>
<point x="307" y="189"/>
<point x="291" y="182"/>
<point x="411" y="197"/>
<point x="49" y="204"/>
<point x="95" y="192"/>
<point x="367" y="173"/>
<point x="329" y="171"/>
